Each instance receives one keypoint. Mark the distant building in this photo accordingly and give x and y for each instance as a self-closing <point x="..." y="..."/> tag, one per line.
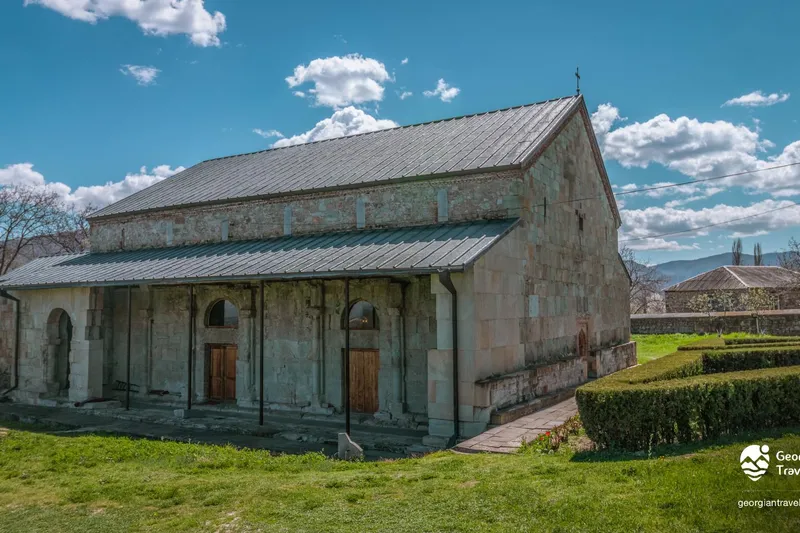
<point x="782" y="283"/>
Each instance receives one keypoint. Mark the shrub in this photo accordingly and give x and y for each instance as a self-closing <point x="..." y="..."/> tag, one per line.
<point x="691" y="395"/>
<point x="761" y="340"/>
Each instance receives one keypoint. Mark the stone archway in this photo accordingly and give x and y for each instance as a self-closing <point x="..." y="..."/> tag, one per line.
<point x="59" y="349"/>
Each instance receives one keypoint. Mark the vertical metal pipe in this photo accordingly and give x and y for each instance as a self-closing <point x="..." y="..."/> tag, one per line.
<point x="347" y="355"/>
<point x="128" y="354"/>
<point x="444" y="278"/>
<point x="190" y="359"/>
<point x="261" y="356"/>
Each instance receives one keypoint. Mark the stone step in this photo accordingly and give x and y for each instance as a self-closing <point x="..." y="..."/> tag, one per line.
<point x="513" y="412"/>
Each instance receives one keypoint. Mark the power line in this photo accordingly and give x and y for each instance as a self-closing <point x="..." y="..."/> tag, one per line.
<point x="659" y="187"/>
<point x="794" y="204"/>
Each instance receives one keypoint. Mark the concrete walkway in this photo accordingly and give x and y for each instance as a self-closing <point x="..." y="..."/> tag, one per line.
<point x="508" y="437"/>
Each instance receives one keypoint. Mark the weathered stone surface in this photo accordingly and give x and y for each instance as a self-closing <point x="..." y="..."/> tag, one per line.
<point x="778" y="322"/>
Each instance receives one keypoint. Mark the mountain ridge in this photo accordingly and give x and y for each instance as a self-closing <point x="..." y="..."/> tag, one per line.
<point x="683" y="269"/>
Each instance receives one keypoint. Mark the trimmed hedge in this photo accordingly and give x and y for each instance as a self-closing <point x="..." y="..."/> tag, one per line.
<point x="760" y="340"/>
<point x="697" y="346"/>
<point x="692" y="395"/>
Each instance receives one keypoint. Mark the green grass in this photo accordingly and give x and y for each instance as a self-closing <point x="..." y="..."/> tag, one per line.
<point x="94" y="483"/>
<point x="649" y="347"/>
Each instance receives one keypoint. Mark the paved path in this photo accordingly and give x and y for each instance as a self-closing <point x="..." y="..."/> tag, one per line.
<point x="508" y="437"/>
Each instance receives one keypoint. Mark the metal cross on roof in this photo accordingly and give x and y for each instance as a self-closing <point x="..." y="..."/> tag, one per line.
<point x="577" y="81"/>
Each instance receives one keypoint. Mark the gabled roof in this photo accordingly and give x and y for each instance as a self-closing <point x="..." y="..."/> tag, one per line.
<point x="490" y="141"/>
<point x="415" y="251"/>
<point x="738" y="277"/>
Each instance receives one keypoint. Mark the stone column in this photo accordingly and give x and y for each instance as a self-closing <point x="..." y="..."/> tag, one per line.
<point x="396" y="315"/>
<point x="146" y="315"/>
<point x="245" y="386"/>
<point x="316" y="356"/>
<point x="87" y="356"/>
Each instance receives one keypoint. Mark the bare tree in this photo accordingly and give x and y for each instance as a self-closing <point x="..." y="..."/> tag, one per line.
<point x="790" y="259"/>
<point x="736" y="252"/>
<point x="646" y="283"/>
<point x="758" y="257"/>
<point x="34" y="222"/>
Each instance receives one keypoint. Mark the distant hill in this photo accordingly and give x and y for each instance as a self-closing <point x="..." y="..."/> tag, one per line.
<point x="678" y="271"/>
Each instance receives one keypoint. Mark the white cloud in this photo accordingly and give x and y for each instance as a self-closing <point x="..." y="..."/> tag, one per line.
<point x="405" y="94"/>
<point x="143" y="75"/>
<point x="268" y="133"/>
<point x="743" y="234"/>
<point x="347" y="121"/>
<point x="757" y="99"/>
<point x="640" y="223"/>
<point x="444" y="91"/>
<point x="94" y="195"/>
<point x="602" y="120"/>
<point x="700" y="149"/>
<point x="154" y="17"/>
<point x="341" y="81"/>
<point x="404" y="61"/>
<point x="662" y="245"/>
<point x="299" y="94"/>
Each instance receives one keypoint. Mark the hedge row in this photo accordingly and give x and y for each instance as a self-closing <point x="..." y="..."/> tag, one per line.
<point x="720" y="346"/>
<point x="761" y="340"/>
<point x="693" y="395"/>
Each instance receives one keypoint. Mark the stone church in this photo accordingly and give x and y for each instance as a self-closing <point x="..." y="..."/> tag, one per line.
<point x="239" y="283"/>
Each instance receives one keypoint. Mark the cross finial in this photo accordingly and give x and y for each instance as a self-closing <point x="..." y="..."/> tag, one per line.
<point x="577" y="81"/>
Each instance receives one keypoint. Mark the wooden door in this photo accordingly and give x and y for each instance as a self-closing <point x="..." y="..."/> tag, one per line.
<point x="222" y="373"/>
<point x="364" y="366"/>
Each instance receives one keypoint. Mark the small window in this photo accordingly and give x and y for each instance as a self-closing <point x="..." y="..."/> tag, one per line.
<point x="580" y="223"/>
<point x="223" y="314"/>
<point x="362" y="316"/>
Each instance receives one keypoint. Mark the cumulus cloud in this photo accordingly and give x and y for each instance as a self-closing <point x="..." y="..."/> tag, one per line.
<point x="404" y="61"/>
<point x="342" y="81"/>
<point x="757" y="99"/>
<point x="602" y="120"/>
<point x="641" y="224"/>
<point x="699" y="149"/>
<point x="444" y="91"/>
<point x="95" y="195"/>
<point x="154" y="17"/>
<point x="268" y="133"/>
<point x="405" y="94"/>
<point x="143" y="75"/>
<point x="347" y="121"/>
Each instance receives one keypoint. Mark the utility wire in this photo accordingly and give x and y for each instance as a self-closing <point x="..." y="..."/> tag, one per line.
<point x="659" y="187"/>
<point x="794" y="204"/>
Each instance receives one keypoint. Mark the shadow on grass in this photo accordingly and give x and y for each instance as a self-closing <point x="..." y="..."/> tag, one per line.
<point x="674" y="450"/>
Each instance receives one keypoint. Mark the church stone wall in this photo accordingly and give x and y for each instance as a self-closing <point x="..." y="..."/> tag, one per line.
<point x="494" y="195"/>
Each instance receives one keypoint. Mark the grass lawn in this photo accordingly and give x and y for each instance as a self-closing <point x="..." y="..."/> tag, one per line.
<point x="100" y="483"/>
<point x="649" y="347"/>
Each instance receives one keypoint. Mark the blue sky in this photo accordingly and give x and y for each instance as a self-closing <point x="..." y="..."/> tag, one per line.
<point x="99" y="101"/>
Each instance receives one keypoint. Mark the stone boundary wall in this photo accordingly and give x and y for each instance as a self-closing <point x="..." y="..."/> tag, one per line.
<point x="781" y="322"/>
<point x="610" y="360"/>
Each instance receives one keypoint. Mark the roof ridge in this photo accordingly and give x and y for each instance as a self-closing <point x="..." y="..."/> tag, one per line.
<point x="457" y="117"/>
<point x="732" y="273"/>
<point x="689" y="279"/>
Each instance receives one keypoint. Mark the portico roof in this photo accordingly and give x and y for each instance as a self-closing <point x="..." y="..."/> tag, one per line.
<point x="366" y="253"/>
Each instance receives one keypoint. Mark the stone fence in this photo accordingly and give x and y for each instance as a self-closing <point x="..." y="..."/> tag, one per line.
<point x="779" y="322"/>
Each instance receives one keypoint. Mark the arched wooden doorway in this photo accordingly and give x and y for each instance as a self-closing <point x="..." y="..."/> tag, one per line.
<point x="365" y="362"/>
<point x="222" y="314"/>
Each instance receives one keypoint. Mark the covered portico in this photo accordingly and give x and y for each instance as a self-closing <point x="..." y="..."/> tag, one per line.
<point x="274" y="324"/>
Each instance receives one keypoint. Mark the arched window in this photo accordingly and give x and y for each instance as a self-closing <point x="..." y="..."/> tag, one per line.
<point x="223" y="314"/>
<point x="363" y="316"/>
